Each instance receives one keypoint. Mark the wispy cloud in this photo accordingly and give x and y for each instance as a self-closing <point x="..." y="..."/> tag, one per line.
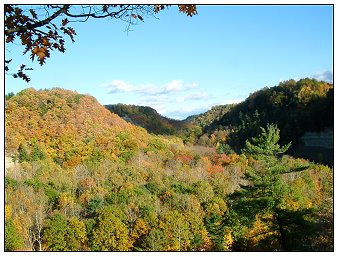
<point x="120" y="86"/>
<point x="175" y="99"/>
<point x="326" y="75"/>
<point x="174" y="85"/>
<point x="193" y="96"/>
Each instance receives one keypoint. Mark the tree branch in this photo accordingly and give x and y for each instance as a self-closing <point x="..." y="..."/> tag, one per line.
<point x="37" y="24"/>
<point x="95" y="15"/>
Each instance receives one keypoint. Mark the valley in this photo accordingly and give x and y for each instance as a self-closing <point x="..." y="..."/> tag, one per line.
<point x="81" y="176"/>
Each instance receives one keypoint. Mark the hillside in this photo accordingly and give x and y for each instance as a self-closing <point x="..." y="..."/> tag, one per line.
<point x="147" y="118"/>
<point x="296" y="107"/>
<point x="67" y="127"/>
<point x="80" y="178"/>
<point x="213" y="115"/>
<point x="153" y="122"/>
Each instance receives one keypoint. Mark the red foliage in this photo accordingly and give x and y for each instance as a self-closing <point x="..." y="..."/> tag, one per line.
<point x="215" y="169"/>
<point x="185" y="159"/>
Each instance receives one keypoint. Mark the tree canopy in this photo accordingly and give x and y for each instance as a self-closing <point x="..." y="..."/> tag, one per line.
<point x="81" y="178"/>
<point x="42" y="29"/>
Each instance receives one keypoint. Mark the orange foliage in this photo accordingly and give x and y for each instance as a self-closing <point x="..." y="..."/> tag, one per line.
<point x="184" y="158"/>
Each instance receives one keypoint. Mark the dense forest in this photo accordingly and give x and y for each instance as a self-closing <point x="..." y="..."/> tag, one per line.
<point x="295" y="106"/>
<point x="80" y="178"/>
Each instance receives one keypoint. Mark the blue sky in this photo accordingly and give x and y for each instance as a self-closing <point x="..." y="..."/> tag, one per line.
<point x="183" y="65"/>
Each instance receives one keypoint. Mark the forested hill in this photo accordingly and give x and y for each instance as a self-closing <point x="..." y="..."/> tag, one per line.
<point x="67" y="127"/>
<point x="305" y="105"/>
<point x="213" y="115"/>
<point x="155" y="123"/>
<point x="296" y="107"/>
<point x="148" y="118"/>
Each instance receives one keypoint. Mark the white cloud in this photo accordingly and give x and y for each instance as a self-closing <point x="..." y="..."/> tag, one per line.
<point x="174" y="85"/>
<point x="193" y="96"/>
<point x="178" y="86"/>
<point x="119" y="86"/>
<point x="196" y="96"/>
<point x="326" y="75"/>
<point x="191" y="86"/>
<point x="176" y="99"/>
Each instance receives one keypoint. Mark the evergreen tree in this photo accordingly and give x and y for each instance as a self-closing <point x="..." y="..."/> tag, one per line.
<point x="265" y="187"/>
<point x="265" y="146"/>
<point x="216" y="228"/>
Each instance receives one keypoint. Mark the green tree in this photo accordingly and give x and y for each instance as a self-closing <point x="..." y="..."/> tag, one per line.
<point x="76" y="235"/>
<point x="65" y="235"/>
<point x="37" y="153"/>
<point x="176" y="231"/>
<point x="265" y="146"/>
<point x="265" y="188"/>
<point x="110" y="233"/>
<point x="216" y="228"/>
<point x="55" y="233"/>
<point x="9" y="95"/>
<point x="13" y="241"/>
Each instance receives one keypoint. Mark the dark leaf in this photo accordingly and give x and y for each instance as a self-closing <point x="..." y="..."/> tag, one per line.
<point x="33" y="14"/>
<point x="64" y="22"/>
<point x="23" y="76"/>
<point x="9" y="39"/>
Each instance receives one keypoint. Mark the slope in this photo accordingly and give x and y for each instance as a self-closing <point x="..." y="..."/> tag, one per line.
<point x="67" y="127"/>
<point x="296" y="107"/>
<point x="148" y="118"/>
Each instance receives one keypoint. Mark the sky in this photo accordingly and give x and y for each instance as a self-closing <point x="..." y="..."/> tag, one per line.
<point x="183" y="65"/>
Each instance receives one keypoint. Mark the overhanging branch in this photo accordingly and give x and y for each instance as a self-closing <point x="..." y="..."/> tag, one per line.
<point x="37" y="24"/>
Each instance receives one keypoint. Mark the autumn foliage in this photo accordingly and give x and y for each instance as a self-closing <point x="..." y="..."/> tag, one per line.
<point x="83" y="179"/>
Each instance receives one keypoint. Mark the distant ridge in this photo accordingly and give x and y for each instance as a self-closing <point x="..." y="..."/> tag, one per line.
<point x="148" y="118"/>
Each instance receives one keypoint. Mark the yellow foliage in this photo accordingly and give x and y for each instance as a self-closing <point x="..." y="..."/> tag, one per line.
<point x="207" y="243"/>
<point x="140" y="228"/>
<point x="261" y="231"/>
<point x="85" y="198"/>
<point x="228" y="240"/>
<point x="21" y="224"/>
<point x="8" y="211"/>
